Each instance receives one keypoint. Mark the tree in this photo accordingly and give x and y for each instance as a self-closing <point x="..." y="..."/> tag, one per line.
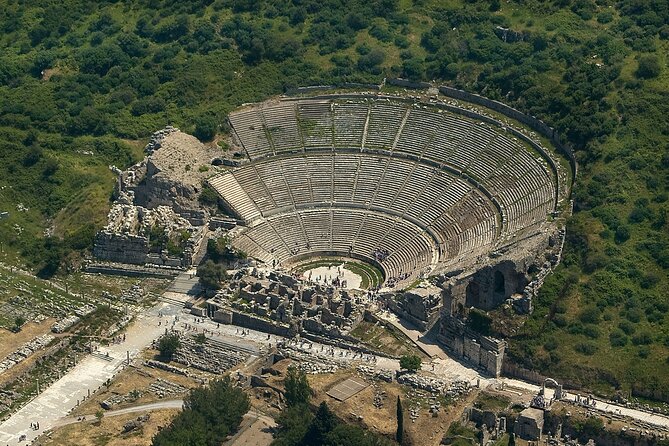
<point x="18" y="323"/>
<point x="210" y="415"/>
<point x="99" y="414"/>
<point x="205" y="128"/>
<point x="208" y="197"/>
<point x="622" y="234"/>
<point x="168" y="345"/>
<point x="399" y="435"/>
<point x="200" y="338"/>
<point x="324" y="422"/>
<point x="221" y="249"/>
<point x="293" y="424"/>
<point x="649" y="67"/>
<point x="410" y="362"/>
<point x="297" y="388"/>
<point x="211" y="275"/>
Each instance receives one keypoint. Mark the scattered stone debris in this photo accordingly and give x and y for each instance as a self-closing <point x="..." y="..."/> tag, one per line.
<point x="25" y="351"/>
<point x="162" y="388"/>
<point x="379" y="397"/>
<point x="136" y="423"/>
<point x="450" y="389"/>
<point x="157" y="139"/>
<point x="211" y="356"/>
<point x="168" y="368"/>
<point x="63" y="324"/>
<point x="381" y="374"/>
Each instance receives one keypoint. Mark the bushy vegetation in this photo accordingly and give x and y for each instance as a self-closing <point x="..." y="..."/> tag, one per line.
<point x="168" y="345"/>
<point x="221" y="250"/>
<point x="410" y="363"/>
<point x="211" y="275"/>
<point x="82" y="85"/>
<point x="210" y="414"/>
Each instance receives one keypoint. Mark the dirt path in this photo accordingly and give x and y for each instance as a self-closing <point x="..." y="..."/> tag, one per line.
<point x="168" y="404"/>
<point x="256" y="430"/>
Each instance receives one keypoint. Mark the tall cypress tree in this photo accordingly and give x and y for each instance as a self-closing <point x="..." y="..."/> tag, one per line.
<point x="399" y="435"/>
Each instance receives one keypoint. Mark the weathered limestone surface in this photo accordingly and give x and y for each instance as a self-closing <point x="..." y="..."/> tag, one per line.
<point x="482" y="351"/>
<point x="529" y="424"/>
<point x="420" y="305"/>
<point x="160" y="191"/>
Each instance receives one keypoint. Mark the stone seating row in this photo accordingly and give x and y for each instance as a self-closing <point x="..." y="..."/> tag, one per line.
<point x="470" y="146"/>
<point x="285" y="236"/>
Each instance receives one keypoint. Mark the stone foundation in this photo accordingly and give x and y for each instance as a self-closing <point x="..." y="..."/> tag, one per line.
<point x="481" y="351"/>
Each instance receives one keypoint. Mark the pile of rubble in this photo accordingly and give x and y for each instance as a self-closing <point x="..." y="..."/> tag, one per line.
<point x="435" y="406"/>
<point x="136" y="423"/>
<point x="321" y="359"/>
<point x="317" y="368"/>
<point x="380" y="374"/>
<point x="64" y="324"/>
<point x="379" y="397"/>
<point x="36" y="303"/>
<point x="162" y="388"/>
<point x="25" y="351"/>
<point x="157" y="138"/>
<point x="117" y="399"/>
<point x="209" y="357"/>
<point x="84" y="310"/>
<point x="118" y="326"/>
<point x="437" y="386"/>
<point x="7" y="399"/>
<point x="133" y="294"/>
<point x="166" y="367"/>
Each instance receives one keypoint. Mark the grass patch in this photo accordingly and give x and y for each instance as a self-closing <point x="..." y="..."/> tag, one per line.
<point x="494" y="403"/>
<point x="385" y="340"/>
<point x="371" y="276"/>
<point x="460" y="435"/>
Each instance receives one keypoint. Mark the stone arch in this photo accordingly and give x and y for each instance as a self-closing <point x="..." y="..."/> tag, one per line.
<point x="473" y="295"/>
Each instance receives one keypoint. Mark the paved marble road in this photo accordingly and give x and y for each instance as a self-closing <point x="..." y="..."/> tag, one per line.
<point x="58" y="400"/>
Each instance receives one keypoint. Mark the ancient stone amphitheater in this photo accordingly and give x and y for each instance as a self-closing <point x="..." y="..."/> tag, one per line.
<point x="411" y="187"/>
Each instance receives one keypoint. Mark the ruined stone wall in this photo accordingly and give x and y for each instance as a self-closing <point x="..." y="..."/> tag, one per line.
<point x="122" y="248"/>
<point x="258" y="324"/>
<point x="421" y="307"/>
<point x="488" y="287"/>
<point x="481" y="351"/>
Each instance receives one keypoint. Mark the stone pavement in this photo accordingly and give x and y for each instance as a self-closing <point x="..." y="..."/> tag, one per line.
<point x="88" y="375"/>
<point x="601" y="405"/>
<point x="186" y="283"/>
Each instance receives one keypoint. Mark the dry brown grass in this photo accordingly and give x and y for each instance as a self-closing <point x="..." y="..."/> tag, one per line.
<point x="109" y="431"/>
<point x="426" y="430"/>
<point x="10" y="341"/>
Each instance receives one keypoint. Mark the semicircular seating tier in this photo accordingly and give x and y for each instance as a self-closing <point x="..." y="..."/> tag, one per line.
<point x="405" y="186"/>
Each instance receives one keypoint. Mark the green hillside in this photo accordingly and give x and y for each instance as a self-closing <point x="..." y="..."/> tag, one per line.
<point x="83" y="84"/>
